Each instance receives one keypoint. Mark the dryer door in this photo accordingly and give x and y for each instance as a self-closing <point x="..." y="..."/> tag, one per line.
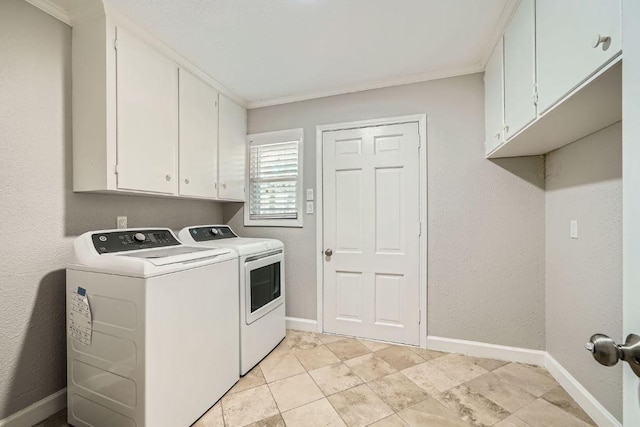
<point x="264" y="281"/>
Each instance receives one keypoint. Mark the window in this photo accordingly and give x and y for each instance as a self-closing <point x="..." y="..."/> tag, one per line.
<point x="274" y="179"/>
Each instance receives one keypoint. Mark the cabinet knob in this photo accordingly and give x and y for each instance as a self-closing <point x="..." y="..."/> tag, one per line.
<point x="168" y="177"/>
<point x="599" y="39"/>
<point x="224" y="185"/>
<point x="186" y="181"/>
<point x="215" y="185"/>
<point x="497" y="135"/>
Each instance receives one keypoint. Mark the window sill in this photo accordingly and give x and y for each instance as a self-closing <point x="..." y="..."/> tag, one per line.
<point x="284" y="223"/>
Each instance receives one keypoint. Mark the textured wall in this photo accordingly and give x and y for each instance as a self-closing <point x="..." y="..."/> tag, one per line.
<point x="584" y="276"/>
<point x="39" y="215"/>
<point x="486" y="218"/>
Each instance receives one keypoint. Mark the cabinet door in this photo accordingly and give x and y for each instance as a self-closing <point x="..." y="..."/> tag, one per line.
<point x="565" y="31"/>
<point x="520" y="69"/>
<point x="147" y="108"/>
<point x="198" y="137"/>
<point x="232" y="150"/>
<point x="494" y="99"/>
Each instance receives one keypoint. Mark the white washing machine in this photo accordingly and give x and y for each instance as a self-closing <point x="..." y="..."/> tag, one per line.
<point x="262" y="307"/>
<point x="163" y="347"/>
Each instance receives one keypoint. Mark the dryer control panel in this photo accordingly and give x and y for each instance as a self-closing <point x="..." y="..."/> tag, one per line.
<point x="131" y="240"/>
<point x="215" y="232"/>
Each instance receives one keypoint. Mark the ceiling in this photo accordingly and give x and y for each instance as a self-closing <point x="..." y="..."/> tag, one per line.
<point x="275" y="51"/>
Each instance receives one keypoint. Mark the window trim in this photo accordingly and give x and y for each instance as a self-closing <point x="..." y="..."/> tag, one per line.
<point x="271" y="138"/>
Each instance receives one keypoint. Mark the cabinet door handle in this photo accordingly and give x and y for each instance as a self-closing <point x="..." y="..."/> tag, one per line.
<point x="215" y="185"/>
<point x="224" y="185"/>
<point x="168" y="177"/>
<point x="186" y="181"/>
<point x="599" y="39"/>
<point x="497" y="135"/>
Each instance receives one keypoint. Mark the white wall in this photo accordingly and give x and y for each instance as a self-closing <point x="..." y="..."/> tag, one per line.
<point x="486" y="218"/>
<point x="584" y="275"/>
<point x="39" y="215"/>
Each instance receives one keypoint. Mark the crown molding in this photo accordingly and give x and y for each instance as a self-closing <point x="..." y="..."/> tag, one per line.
<point x="395" y="81"/>
<point x="506" y="15"/>
<point x="52" y="9"/>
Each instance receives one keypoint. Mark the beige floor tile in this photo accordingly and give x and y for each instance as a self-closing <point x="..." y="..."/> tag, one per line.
<point x="508" y="396"/>
<point x="295" y="391"/>
<point x="277" y="368"/>
<point x="431" y="378"/>
<point x="301" y="340"/>
<point x="374" y="345"/>
<point x="348" y="348"/>
<point x="560" y="398"/>
<point x="431" y="413"/>
<point x="369" y="367"/>
<point x="318" y="413"/>
<point x="544" y="414"/>
<point x="316" y="357"/>
<point x="327" y="338"/>
<point x="529" y="378"/>
<point x="473" y="407"/>
<point x="248" y="406"/>
<point x="398" y="391"/>
<point x="212" y="418"/>
<point x="274" y="421"/>
<point x="253" y="378"/>
<point x="426" y="354"/>
<point x="459" y="367"/>
<point x="280" y="350"/>
<point x="512" y="421"/>
<point x="488" y="364"/>
<point x="399" y="357"/>
<point x="335" y="378"/>
<point x="391" y="421"/>
<point x="360" y="406"/>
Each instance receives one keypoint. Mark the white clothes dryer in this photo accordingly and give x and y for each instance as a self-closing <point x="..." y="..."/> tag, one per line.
<point x="163" y="346"/>
<point x="262" y="288"/>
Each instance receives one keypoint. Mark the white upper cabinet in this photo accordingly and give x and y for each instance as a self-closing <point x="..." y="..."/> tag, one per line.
<point x="198" y="137"/>
<point x="147" y="117"/>
<point x="572" y="44"/>
<point x="494" y="99"/>
<point x="232" y="150"/>
<point x="520" y="69"/>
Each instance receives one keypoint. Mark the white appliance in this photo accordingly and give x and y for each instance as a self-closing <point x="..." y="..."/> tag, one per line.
<point x="262" y="308"/>
<point x="164" y="341"/>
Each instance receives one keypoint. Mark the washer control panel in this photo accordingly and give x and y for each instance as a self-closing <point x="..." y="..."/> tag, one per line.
<point x="120" y="241"/>
<point x="215" y="232"/>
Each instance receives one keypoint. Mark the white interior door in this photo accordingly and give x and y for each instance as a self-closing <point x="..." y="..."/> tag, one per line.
<point x="631" y="196"/>
<point x="372" y="226"/>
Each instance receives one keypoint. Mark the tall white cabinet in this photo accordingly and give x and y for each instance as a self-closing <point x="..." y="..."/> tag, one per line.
<point x="494" y="98"/>
<point x="571" y="37"/>
<point x="143" y="124"/>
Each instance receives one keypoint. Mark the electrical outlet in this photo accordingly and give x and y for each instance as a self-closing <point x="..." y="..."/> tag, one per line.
<point x="309" y="193"/>
<point x="573" y="229"/>
<point x="121" y="222"/>
<point x="309" y="207"/>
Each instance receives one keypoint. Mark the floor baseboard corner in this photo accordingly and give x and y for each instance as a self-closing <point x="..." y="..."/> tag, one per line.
<point x="307" y="325"/>
<point x="38" y="411"/>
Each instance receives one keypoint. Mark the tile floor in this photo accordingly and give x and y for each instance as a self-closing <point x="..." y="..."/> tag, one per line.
<point x="322" y="380"/>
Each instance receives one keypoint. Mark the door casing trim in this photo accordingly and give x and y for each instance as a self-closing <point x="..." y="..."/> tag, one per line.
<point x="421" y="119"/>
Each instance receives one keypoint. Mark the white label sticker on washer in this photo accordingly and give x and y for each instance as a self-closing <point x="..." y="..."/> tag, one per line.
<point x="79" y="327"/>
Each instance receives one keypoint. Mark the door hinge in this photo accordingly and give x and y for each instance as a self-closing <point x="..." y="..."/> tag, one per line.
<point x="115" y="44"/>
<point x="116" y="169"/>
<point x="419" y="228"/>
<point x="419" y="317"/>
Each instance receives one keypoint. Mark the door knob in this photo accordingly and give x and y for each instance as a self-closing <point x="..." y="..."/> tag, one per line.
<point x="328" y="252"/>
<point x="608" y="353"/>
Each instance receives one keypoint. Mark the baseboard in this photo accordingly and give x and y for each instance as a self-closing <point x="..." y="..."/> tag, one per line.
<point x="581" y="395"/>
<point x="489" y="351"/>
<point x="298" y="324"/>
<point x="38" y="411"/>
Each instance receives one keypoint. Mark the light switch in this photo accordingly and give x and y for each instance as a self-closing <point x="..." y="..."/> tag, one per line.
<point x="309" y="194"/>
<point x="309" y="207"/>
<point x="573" y="229"/>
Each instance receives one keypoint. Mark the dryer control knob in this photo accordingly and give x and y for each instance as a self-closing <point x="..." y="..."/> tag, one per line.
<point x="139" y="237"/>
<point x="215" y="231"/>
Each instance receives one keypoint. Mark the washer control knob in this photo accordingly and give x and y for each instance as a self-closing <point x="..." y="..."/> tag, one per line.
<point x="215" y="231"/>
<point x="139" y="237"/>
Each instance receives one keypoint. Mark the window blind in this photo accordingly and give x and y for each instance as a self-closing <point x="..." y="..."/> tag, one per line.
<point x="273" y="180"/>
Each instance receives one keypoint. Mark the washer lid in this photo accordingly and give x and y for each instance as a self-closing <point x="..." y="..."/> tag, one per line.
<point x="166" y="256"/>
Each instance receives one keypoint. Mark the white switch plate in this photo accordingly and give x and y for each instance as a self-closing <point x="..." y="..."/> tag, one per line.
<point x="121" y="222"/>
<point x="573" y="229"/>
<point x="309" y="207"/>
<point x="309" y="193"/>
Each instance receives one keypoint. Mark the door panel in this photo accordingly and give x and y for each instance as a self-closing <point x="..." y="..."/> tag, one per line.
<point x="198" y="137"/>
<point x="147" y="106"/>
<point x="494" y="99"/>
<point x="232" y="150"/>
<point x="371" y="223"/>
